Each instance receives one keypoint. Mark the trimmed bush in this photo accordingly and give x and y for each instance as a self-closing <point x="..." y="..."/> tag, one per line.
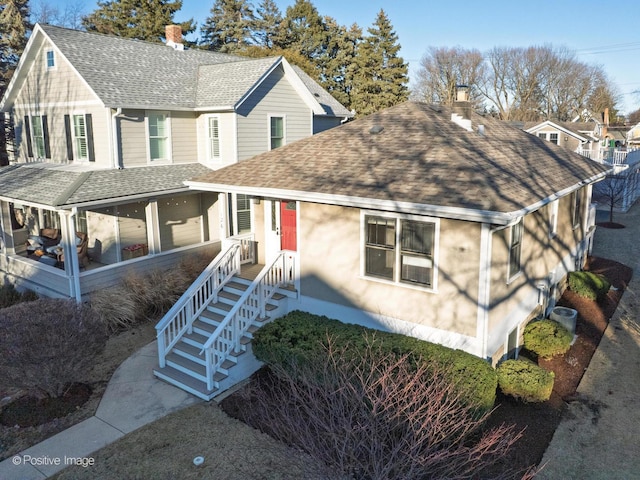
<point x="10" y="296"/>
<point x="299" y="337"/>
<point x="48" y="344"/>
<point x="588" y="285"/>
<point x="547" y="338"/>
<point x="525" y="380"/>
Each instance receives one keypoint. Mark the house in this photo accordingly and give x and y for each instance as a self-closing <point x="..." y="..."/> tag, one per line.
<point x="435" y="223"/>
<point x="108" y="129"/>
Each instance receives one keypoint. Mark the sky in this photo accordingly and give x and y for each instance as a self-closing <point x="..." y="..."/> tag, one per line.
<point x="600" y="33"/>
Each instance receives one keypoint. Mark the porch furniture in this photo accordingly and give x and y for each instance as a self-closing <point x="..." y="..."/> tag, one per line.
<point x="82" y="247"/>
<point x="49" y="237"/>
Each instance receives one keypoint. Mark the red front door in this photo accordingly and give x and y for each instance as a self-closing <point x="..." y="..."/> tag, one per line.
<point x="288" y="225"/>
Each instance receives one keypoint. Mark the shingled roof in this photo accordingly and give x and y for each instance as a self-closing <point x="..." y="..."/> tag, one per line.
<point x="65" y="186"/>
<point x="137" y="74"/>
<point x="418" y="161"/>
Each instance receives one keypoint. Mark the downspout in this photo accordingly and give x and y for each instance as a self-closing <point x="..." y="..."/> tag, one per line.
<point x="116" y="161"/>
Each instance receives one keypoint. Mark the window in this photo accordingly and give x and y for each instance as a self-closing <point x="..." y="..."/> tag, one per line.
<point x="50" y="219"/>
<point x="576" y="209"/>
<point x="80" y="143"/>
<point x="553" y="218"/>
<point x="400" y="250"/>
<point x="553" y="138"/>
<point x="515" y="249"/>
<point x="37" y="132"/>
<point x="158" y="136"/>
<point x="51" y="60"/>
<point x="81" y="222"/>
<point x="276" y="132"/>
<point x="243" y="213"/>
<point x="214" y="138"/>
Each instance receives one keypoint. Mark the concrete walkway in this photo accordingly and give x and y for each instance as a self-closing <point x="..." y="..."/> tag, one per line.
<point x="598" y="437"/>
<point x="133" y="398"/>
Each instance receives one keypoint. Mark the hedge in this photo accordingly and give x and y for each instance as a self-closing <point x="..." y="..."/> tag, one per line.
<point x="547" y="338"/>
<point x="299" y="336"/>
<point x="588" y="284"/>
<point x="525" y="380"/>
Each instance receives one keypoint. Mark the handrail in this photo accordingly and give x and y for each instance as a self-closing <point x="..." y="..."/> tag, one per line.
<point x="180" y="317"/>
<point x="252" y="303"/>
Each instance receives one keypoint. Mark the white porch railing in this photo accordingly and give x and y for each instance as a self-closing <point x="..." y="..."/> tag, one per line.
<point x="179" y="319"/>
<point x="226" y="338"/>
<point x="247" y="244"/>
<point x="606" y="155"/>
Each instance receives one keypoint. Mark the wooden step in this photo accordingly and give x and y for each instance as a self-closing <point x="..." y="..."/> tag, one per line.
<point x="187" y="366"/>
<point x="185" y="382"/>
<point x="189" y="352"/>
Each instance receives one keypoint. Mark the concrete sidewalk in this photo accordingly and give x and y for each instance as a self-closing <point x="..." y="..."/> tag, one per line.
<point x="597" y="438"/>
<point x="133" y="398"/>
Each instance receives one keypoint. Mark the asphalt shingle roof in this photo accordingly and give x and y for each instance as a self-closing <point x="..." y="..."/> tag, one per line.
<point x="137" y="74"/>
<point x="421" y="157"/>
<point x="57" y="186"/>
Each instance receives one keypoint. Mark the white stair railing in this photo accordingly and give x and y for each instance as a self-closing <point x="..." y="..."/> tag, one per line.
<point x="179" y="319"/>
<point x="226" y="338"/>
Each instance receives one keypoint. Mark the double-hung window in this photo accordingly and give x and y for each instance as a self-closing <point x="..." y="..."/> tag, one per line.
<point x="158" y="137"/>
<point x="276" y="132"/>
<point x="80" y="142"/>
<point x="553" y="218"/>
<point x="213" y="132"/>
<point x="243" y="213"/>
<point x="37" y="134"/>
<point x="400" y="250"/>
<point x="576" y="209"/>
<point x="515" y="249"/>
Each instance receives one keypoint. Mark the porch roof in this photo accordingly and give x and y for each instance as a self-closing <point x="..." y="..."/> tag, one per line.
<point x="413" y="158"/>
<point x="65" y="186"/>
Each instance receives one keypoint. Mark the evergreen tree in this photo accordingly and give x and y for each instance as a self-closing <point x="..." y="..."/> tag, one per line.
<point x="302" y="30"/>
<point x="382" y="76"/>
<point x="14" y="18"/>
<point x="140" y="19"/>
<point x="230" y="26"/>
<point x="267" y="23"/>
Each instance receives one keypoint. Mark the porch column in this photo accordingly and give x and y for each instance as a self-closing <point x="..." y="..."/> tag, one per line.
<point x="71" y="261"/>
<point x="153" y="226"/>
<point x="6" y="242"/>
<point x="223" y="222"/>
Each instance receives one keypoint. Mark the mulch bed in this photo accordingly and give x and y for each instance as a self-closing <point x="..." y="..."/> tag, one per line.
<point x="540" y="421"/>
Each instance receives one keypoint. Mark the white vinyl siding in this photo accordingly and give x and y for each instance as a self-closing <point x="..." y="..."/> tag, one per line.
<point x="180" y="220"/>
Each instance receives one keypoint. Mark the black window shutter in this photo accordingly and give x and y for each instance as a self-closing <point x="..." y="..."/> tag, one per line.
<point x="45" y="134"/>
<point x="67" y="131"/>
<point x="27" y="133"/>
<point x="89" y="127"/>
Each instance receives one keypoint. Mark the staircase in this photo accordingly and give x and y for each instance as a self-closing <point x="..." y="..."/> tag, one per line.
<point x="204" y="341"/>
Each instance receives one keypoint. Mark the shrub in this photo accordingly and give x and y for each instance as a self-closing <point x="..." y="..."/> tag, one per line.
<point x="369" y="413"/>
<point x="299" y="337"/>
<point x="10" y="296"/>
<point x="547" y="338"/>
<point x="525" y="380"/>
<point x="48" y="344"/>
<point x="588" y="284"/>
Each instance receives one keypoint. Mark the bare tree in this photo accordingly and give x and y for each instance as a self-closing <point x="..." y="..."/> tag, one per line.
<point x="377" y="416"/>
<point x="615" y="190"/>
<point x="442" y="68"/>
<point x="70" y="16"/>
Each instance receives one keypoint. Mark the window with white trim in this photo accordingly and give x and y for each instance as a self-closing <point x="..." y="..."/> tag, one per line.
<point x="37" y="135"/>
<point x="243" y="213"/>
<point x="213" y="134"/>
<point x="158" y="125"/>
<point x="276" y="132"/>
<point x="515" y="248"/>
<point x="80" y="142"/>
<point x="50" y="59"/>
<point x="400" y="250"/>
<point x="553" y="218"/>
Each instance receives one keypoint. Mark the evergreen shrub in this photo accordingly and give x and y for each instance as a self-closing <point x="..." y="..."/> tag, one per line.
<point x="524" y="380"/>
<point x="547" y="338"/>
<point x="588" y="284"/>
<point x="300" y="337"/>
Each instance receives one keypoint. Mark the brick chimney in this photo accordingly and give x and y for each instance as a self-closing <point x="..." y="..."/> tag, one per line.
<point x="173" y="34"/>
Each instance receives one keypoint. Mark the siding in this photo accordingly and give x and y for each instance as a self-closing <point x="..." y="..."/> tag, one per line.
<point x="180" y="221"/>
<point x="330" y="252"/>
<point x="275" y="96"/>
<point x="184" y="138"/>
<point x="227" y="132"/>
<point x="132" y="138"/>
<point x="102" y="231"/>
<point x="28" y="274"/>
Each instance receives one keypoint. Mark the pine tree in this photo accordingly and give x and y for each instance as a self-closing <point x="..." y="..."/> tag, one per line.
<point x="230" y="26"/>
<point x="302" y="30"/>
<point x="140" y="19"/>
<point x="382" y="76"/>
<point x="267" y="23"/>
<point x="14" y="18"/>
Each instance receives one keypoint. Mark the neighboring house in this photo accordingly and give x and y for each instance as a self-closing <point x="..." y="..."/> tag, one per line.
<point x="569" y="135"/>
<point x="106" y="132"/>
<point x="445" y="226"/>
